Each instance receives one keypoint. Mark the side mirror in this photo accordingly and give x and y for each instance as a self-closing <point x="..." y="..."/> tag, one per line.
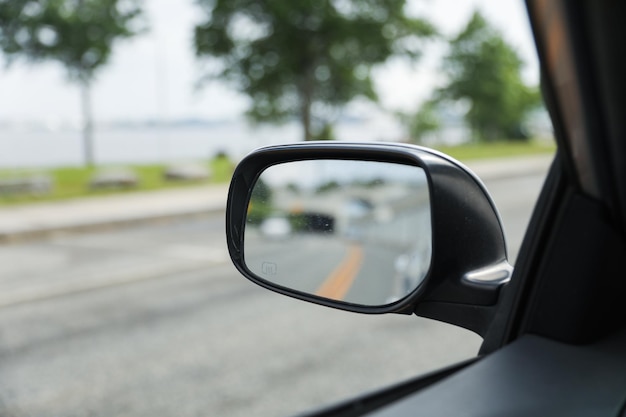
<point x="370" y="228"/>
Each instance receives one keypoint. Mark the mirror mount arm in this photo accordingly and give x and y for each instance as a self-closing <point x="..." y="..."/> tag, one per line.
<point x="471" y="317"/>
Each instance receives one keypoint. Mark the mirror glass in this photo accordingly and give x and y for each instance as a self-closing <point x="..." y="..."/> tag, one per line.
<point x="353" y="231"/>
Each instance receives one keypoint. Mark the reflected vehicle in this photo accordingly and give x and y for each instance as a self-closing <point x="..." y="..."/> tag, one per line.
<point x="357" y="207"/>
<point x="411" y="268"/>
<point x="335" y="243"/>
<point x="312" y="222"/>
<point x="275" y="227"/>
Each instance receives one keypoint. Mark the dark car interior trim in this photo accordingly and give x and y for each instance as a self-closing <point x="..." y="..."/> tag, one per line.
<point x="533" y="376"/>
<point x="380" y="398"/>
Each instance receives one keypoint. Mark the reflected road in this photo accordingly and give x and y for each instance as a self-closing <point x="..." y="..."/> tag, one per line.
<point x="370" y="261"/>
<point x="339" y="282"/>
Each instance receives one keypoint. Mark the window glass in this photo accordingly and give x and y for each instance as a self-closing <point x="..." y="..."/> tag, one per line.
<point x="117" y="296"/>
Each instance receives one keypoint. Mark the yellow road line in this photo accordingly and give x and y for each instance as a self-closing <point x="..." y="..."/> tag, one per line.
<point x="340" y="280"/>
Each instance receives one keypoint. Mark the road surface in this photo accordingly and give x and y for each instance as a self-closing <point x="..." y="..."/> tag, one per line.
<point x="154" y="320"/>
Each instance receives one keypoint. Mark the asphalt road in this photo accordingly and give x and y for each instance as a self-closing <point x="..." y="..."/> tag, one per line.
<point x="154" y="320"/>
<point x="357" y="263"/>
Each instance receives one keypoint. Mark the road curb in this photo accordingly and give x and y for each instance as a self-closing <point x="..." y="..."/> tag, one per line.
<point x="27" y="222"/>
<point x="17" y="236"/>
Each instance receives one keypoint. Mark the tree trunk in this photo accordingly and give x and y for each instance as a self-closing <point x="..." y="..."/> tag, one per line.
<point x="306" y="117"/>
<point x="88" y="151"/>
<point x="306" y="125"/>
<point x="306" y="100"/>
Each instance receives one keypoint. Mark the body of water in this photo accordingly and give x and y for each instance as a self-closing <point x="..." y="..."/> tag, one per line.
<point x="33" y="148"/>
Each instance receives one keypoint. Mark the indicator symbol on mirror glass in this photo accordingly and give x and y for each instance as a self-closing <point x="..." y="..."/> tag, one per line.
<point x="269" y="268"/>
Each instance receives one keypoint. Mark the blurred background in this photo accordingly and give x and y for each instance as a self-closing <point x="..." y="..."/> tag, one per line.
<point x="121" y="122"/>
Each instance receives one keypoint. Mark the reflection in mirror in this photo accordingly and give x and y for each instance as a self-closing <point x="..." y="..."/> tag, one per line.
<point x="354" y="231"/>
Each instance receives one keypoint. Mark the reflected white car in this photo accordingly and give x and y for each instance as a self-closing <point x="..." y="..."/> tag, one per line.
<point x="411" y="269"/>
<point x="275" y="227"/>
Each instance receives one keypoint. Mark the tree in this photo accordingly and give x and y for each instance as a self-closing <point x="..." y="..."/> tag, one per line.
<point x="485" y="71"/>
<point x="304" y="58"/>
<point x="79" y="34"/>
<point x="423" y="122"/>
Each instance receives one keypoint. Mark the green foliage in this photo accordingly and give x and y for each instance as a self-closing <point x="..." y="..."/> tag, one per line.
<point x="77" y="33"/>
<point x="260" y="205"/>
<point x="327" y="186"/>
<point x="326" y="133"/>
<point x="258" y="211"/>
<point x="293" y="187"/>
<point x="425" y="121"/>
<point x="485" y="71"/>
<point x="305" y="58"/>
<point x="222" y="168"/>
<point x="261" y="192"/>
<point x="298" y="221"/>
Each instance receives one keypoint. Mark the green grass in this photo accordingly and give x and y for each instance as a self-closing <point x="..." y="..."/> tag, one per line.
<point x="73" y="182"/>
<point x="222" y="169"/>
<point x="470" y="151"/>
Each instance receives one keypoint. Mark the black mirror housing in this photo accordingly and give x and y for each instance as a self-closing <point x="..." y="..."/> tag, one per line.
<point x="469" y="259"/>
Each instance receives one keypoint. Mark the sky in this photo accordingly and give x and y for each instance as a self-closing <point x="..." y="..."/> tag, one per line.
<point x="154" y="76"/>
